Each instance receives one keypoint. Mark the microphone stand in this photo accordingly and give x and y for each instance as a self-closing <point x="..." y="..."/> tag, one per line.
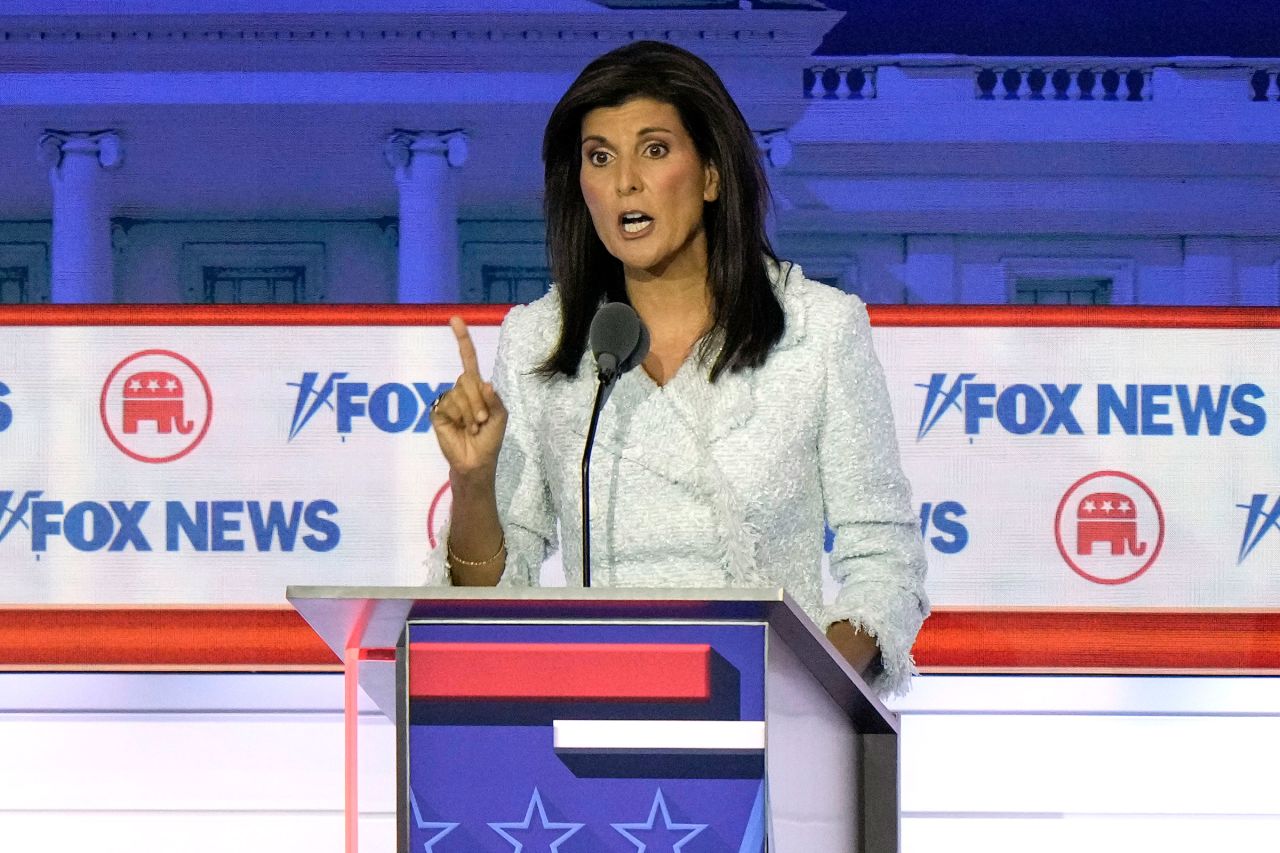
<point x="619" y="342"/>
<point x="603" y="387"/>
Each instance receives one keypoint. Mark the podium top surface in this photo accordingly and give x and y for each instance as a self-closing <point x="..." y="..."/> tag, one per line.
<point x="376" y="614"/>
<point x="373" y="617"/>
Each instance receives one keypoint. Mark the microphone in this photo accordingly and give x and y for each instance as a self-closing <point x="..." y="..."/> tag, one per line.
<point x="619" y="341"/>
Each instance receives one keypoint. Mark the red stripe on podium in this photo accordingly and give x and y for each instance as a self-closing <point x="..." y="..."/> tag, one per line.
<point x="560" y="671"/>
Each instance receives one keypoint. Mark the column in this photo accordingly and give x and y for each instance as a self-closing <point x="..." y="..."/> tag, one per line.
<point x="1208" y="271"/>
<point x="930" y="269"/>
<point x="82" y="261"/>
<point x="428" y="250"/>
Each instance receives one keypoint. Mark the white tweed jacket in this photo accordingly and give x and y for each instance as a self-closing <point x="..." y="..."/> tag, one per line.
<point x="701" y="484"/>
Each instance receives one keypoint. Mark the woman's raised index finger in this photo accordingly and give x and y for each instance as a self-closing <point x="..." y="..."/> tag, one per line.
<point x="466" y="349"/>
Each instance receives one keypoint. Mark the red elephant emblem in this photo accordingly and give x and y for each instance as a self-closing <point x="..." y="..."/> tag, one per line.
<point x="156" y="396"/>
<point x="1110" y="518"/>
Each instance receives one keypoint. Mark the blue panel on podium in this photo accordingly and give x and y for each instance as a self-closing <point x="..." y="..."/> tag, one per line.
<point x="586" y="737"/>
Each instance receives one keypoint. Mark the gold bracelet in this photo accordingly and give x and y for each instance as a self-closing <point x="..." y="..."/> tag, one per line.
<point x="455" y="559"/>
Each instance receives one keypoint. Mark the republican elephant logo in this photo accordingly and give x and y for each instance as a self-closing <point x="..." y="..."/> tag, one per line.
<point x="156" y="406"/>
<point x="1108" y="518"/>
<point x="155" y="396"/>
<point x="1109" y="527"/>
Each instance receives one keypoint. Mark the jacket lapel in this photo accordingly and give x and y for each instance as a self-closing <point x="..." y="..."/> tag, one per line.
<point x="668" y="430"/>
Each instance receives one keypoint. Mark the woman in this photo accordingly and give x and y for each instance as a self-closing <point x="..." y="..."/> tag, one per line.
<point x="760" y="409"/>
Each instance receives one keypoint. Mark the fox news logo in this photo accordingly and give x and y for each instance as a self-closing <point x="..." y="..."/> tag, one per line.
<point x="1049" y="409"/>
<point x="392" y="407"/>
<point x="950" y="534"/>
<point x="941" y="519"/>
<point x="197" y="525"/>
<point x="1263" y="518"/>
<point x="6" y="411"/>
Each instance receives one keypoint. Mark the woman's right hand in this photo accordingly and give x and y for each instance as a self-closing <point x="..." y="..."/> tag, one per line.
<point x="469" y="419"/>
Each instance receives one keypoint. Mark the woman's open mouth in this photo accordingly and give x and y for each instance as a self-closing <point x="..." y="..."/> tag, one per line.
<point x="635" y="222"/>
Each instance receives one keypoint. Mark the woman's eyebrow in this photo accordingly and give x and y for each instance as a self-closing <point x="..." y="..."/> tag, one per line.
<point x="644" y="131"/>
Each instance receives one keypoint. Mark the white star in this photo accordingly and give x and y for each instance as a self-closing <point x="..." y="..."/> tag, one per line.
<point x="170" y="385"/>
<point x="535" y="803"/>
<point x="1106" y="506"/>
<point x="135" y="385"/>
<point x="153" y="385"/>
<point x="659" y="805"/>
<point x="1124" y="506"/>
<point x="445" y="828"/>
<point x="1090" y="506"/>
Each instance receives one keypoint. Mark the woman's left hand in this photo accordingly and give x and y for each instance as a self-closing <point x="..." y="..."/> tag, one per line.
<point x="858" y="649"/>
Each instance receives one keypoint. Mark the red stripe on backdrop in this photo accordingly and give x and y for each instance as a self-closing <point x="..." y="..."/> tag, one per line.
<point x="1151" y="641"/>
<point x="1136" y="317"/>
<point x="249" y="315"/>
<point x="554" y="671"/>
<point x="162" y="638"/>
<point x="954" y="640"/>
<point x="1109" y="316"/>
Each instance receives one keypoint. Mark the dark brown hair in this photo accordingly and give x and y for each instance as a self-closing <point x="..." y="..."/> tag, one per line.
<point x="747" y="319"/>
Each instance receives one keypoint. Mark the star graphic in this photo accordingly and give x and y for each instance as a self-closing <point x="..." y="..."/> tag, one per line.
<point x="135" y="385"/>
<point x="1106" y="506"/>
<point x="1090" y="506"/>
<point x="659" y="804"/>
<point x="535" y="803"/>
<point x="153" y="385"/>
<point x="1124" y="506"/>
<point x="170" y="385"/>
<point x="443" y="827"/>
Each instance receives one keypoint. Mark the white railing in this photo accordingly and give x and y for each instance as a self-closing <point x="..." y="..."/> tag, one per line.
<point x="1118" y="79"/>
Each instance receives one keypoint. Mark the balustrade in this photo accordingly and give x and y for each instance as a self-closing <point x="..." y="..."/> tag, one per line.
<point x="840" y="82"/>
<point x="1263" y="82"/>
<point x="1041" y="83"/>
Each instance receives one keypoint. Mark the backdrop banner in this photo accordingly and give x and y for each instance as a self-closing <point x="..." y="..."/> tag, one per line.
<point x="1053" y="466"/>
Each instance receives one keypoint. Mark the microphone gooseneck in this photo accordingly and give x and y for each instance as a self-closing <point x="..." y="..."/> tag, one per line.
<point x="619" y="342"/>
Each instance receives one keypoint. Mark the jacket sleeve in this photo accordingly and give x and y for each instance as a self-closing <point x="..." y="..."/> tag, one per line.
<point x="878" y="557"/>
<point x="523" y="495"/>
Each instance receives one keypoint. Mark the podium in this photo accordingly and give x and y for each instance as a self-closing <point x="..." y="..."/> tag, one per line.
<point x="613" y="720"/>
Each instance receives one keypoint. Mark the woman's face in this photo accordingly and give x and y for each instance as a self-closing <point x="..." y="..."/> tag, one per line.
<point x="645" y="185"/>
